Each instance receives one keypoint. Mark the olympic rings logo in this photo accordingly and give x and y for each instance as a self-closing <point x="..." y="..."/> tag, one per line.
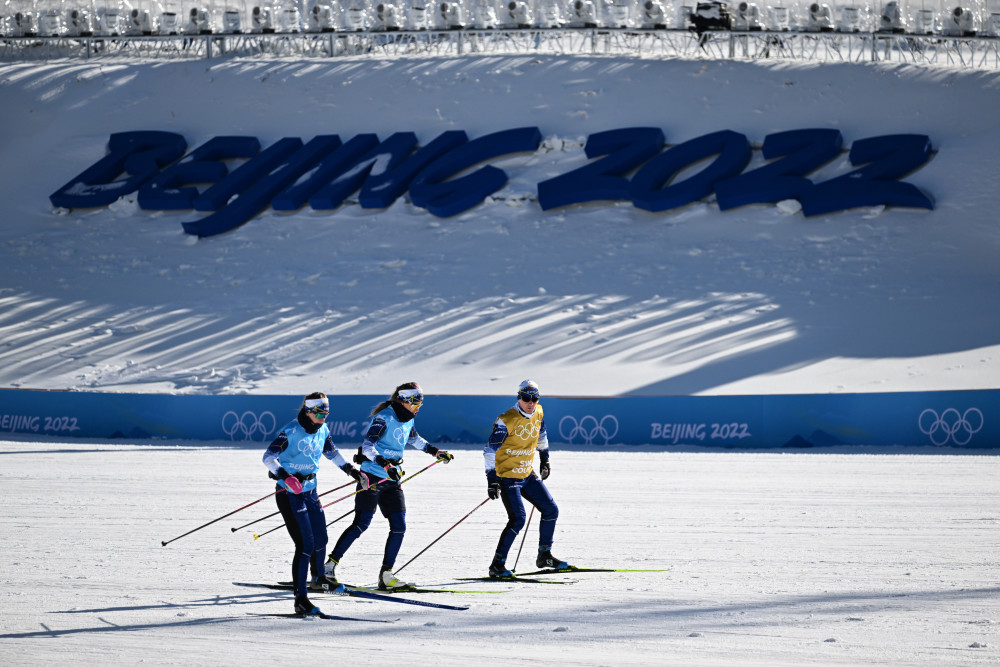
<point x="950" y="425"/>
<point x="527" y="431"/>
<point x="248" y="426"/>
<point x="588" y="429"/>
<point x="310" y="448"/>
<point x="399" y="436"/>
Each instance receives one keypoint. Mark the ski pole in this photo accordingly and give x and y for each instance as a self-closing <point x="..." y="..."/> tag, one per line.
<point x="347" y="514"/>
<point x="518" y="557"/>
<point x="165" y="543"/>
<point x="334" y="502"/>
<point x="404" y="481"/>
<point x="349" y="495"/>
<point x="257" y="537"/>
<point x="442" y="535"/>
<point x="340" y="517"/>
<point x="247" y="525"/>
<point x="424" y="469"/>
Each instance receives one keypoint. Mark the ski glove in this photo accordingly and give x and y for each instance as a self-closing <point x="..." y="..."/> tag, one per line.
<point x="442" y="456"/>
<point x="492" y="485"/>
<point x="293" y="484"/>
<point x="391" y="470"/>
<point x="358" y="476"/>
<point x="545" y="470"/>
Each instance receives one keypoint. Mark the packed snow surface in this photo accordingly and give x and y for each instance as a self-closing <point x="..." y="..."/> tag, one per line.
<point x="873" y="558"/>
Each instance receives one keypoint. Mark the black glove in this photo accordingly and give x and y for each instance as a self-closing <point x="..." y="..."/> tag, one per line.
<point x="392" y="471"/>
<point x="545" y="470"/>
<point x="358" y="476"/>
<point x="492" y="485"/>
<point x="442" y="456"/>
<point x="281" y="474"/>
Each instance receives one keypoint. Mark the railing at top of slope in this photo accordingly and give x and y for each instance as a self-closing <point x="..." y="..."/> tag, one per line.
<point x="974" y="52"/>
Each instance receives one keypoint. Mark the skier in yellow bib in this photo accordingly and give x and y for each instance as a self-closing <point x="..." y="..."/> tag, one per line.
<point x="510" y="454"/>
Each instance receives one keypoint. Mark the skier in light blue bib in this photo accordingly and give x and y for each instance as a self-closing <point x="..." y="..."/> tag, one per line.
<point x="389" y="433"/>
<point x="293" y="459"/>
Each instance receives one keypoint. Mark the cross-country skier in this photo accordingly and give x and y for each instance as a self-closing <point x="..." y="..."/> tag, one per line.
<point x="390" y="431"/>
<point x="510" y="454"/>
<point x="293" y="459"/>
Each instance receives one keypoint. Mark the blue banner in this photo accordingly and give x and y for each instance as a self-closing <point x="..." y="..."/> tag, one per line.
<point x="913" y="419"/>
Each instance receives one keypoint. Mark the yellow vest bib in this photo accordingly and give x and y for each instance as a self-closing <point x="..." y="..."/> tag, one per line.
<point x="516" y="455"/>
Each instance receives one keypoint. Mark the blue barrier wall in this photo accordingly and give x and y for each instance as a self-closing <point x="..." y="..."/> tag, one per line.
<point x="943" y="418"/>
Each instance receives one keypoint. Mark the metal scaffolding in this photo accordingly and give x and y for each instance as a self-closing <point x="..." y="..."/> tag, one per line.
<point x="974" y="52"/>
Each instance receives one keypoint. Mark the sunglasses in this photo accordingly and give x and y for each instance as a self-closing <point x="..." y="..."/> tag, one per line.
<point x="529" y="398"/>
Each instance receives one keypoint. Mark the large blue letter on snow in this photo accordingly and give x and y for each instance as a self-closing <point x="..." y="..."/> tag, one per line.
<point x="444" y="198"/>
<point x="139" y="154"/>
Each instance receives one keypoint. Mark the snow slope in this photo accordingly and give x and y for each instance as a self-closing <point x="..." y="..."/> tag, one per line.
<point x="600" y="299"/>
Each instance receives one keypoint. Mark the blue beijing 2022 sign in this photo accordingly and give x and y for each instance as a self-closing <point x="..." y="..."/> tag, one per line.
<point x="630" y="164"/>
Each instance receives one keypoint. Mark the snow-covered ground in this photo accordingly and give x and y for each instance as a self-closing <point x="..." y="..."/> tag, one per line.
<point x="772" y="559"/>
<point x="601" y="299"/>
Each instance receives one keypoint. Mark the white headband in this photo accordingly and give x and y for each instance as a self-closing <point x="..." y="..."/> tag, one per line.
<point x="407" y="394"/>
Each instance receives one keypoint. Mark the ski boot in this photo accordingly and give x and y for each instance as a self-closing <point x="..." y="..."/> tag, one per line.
<point x="387" y="581"/>
<point x="330" y="568"/>
<point x="547" y="560"/>
<point x="326" y="585"/>
<point x="303" y="607"/>
<point x="498" y="570"/>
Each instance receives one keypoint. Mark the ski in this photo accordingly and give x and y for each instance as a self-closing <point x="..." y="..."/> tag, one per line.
<point x="418" y="589"/>
<point x="518" y="579"/>
<point x="253" y="584"/>
<point x="406" y="589"/>
<point x="363" y="593"/>
<point x="287" y="586"/>
<point x="325" y="617"/>
<point x="358" y="593"/>
<point x="572" y="568"/>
